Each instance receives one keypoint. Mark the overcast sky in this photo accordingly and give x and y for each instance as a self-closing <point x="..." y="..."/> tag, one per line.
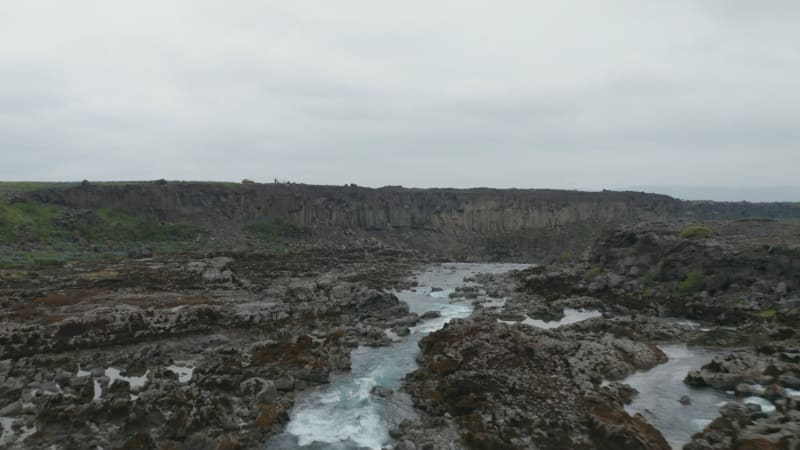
<point x="517" y="93"/>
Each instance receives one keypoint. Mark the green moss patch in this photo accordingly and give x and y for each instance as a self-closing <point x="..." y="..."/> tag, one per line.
<point x="29" y="221"/>
<point x="695" y="232"/>
<point x="274" y="228"/>
<point x="120" y="226"/>
<point x="694" y="282"/>
<point x="766" y="314"/>
<point x="38" y="234"/>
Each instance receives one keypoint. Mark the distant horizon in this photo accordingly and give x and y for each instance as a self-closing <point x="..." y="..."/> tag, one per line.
<point x="569" y="94"/>
<point x="754" y="194"/>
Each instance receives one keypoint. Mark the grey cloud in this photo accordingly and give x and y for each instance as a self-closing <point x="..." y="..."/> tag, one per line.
<point x="566" y="94"/>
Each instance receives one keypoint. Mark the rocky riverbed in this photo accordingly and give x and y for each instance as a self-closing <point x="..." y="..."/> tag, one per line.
<point x="362" y="408"/>
<point x="188" y="352"/>
<point x="502" y="379"/>
<point x="228" y="350"/>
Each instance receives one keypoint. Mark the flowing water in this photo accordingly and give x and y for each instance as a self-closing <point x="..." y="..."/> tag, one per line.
<point x="343" y="414"/>
<point x="570" y="316"/>
<point x="661" y="388"/>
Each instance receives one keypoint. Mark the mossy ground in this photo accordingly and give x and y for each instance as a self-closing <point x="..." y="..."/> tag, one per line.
<point x="38" y="234"/>
<point x="694" y="282"/>
<point x="766" y="314"/>
<point x="695" y="232"/>
<point x="274" y="228"/>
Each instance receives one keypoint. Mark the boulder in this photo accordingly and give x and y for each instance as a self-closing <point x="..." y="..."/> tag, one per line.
<point x="284" y="383"/>
<point x="430" y="315"/>
<point x="219" y="262"/>
<point x="5" y="368"/>
<point x="261" y="390"/>
<point x="381" y="392"/>
<point x="614" y="280"/>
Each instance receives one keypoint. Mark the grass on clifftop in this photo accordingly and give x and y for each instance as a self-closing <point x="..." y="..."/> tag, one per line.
<point x="23" y="186"/>
<point x="695" y="231"/>
<point x="48" y="224"/>
<point x="33" y="233"/>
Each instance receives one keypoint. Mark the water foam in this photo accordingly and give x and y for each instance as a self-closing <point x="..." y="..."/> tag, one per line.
<point x="570" y="316"/>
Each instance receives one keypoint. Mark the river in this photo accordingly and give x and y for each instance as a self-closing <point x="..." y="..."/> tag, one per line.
<point x="344" y="415"/>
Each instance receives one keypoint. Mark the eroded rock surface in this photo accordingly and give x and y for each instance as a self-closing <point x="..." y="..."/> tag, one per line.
<point x="515" y="386"/>
<point x="187" y="352"/>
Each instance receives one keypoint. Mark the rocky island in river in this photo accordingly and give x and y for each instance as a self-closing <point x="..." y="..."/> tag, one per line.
<point x="170" y="315"/>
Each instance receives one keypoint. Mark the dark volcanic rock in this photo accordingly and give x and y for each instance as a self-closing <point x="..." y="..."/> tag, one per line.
<point x="767" y="373"/>
<point x="241" y="349"/>
<point x="521" y="387"/>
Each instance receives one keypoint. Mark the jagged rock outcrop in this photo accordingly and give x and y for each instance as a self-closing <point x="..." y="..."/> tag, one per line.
<point x="514" y="387"/>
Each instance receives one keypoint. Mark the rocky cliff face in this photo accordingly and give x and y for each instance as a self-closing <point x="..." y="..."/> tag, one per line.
<point x="442" y="210"/>
<point x="506" y="223"/>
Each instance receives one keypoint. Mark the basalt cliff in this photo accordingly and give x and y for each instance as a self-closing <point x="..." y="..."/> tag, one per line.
<point x="482" y="223"/>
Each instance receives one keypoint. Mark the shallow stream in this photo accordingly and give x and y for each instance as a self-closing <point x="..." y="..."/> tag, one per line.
<point x="344" y="414"/>
<point x="661" y="388"/>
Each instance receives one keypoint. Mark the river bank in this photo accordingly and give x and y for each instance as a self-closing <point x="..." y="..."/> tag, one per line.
<point x="230" y="350"/>
<point x="187" y="351"/>
<point x="497" y="381"/>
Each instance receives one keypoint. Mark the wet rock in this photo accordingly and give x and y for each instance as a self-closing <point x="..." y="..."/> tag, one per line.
<point x="5" y="368"/>
<point x="298" y="307"/>
<point x="527" y="380"/>
<point x="313" y="374"/>
<point x="725" y="372"/>
<point x="614" y="280"/>
<point x="746" y="426"/>
<point x="196" y="266"/>
<point x="406" y="445"/>
<point x="120" y="387"/>
<point x="407" y="321"/>
<point x="12" y="409"/>
<point x="381" y="392"/>
<point x="219" y="262"/>
<point x="212" y="275"/>
<point x="789" y="306"/>
<point x="622" y="392"/>
<point x="430" y="315"/>
<point x="401" y="331"/>
<point x="790" y="381"/>
<point x="284" y="383"/>
<point x="744" y="389"/>
<point x="62" y="377"/>
<point x="263" y="391"/>
<point x="773" y="392"/>
<point x="685" y="400"/>
<point x="139" y="441"/>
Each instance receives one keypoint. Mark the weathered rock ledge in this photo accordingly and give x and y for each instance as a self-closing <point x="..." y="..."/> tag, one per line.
<point x="506" y="386"/>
